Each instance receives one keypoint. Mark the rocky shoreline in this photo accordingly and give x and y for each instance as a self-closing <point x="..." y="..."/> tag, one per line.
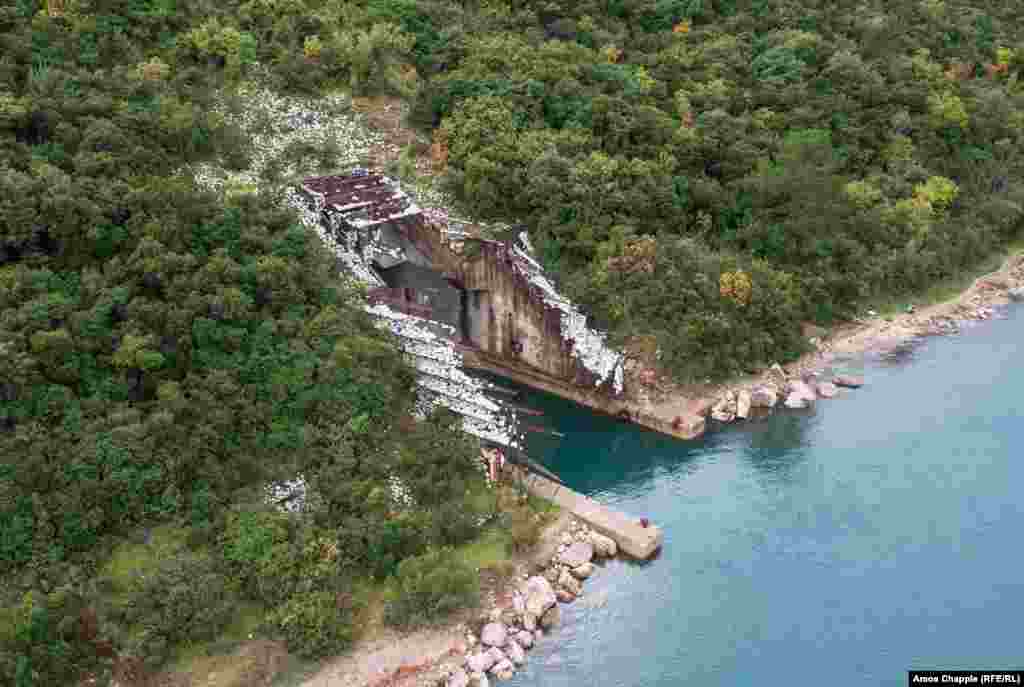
<point x="821" y="374"/>
<point x="497" y="642"/>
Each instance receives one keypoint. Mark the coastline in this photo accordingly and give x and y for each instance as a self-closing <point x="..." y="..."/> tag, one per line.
<point x="693" y="407"/>
<point x="426" y="657"/>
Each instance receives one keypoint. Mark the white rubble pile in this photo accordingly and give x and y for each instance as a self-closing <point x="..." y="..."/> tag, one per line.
<point x="442" y="380"/>
<point x="289" y="495"/>
<point x="273" y="122"/>
<point x="589" y="346"/>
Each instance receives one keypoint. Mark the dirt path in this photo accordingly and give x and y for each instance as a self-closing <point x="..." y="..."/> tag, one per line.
<point x="391" y="659"/>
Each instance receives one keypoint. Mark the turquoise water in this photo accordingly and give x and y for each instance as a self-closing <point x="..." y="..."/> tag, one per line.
<point x="879" y="533"/>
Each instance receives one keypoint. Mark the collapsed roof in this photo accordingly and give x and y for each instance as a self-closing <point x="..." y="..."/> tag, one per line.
<point x="361" y="199"/>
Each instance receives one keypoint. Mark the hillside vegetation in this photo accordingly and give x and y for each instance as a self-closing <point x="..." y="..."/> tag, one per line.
<point x="703" y="173"/>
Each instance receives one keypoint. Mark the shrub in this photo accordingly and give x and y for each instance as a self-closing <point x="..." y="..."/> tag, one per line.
<point x="525" y="527"/>
<point x="315" y="624"/>
<point x="432" y="586"/>
<point x="186" y="599"/>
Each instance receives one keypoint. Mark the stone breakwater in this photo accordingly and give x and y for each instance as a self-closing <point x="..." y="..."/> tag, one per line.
<point x="499" y="641"/>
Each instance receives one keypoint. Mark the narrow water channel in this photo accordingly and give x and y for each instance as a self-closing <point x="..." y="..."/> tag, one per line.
<point x="881" y="532"/>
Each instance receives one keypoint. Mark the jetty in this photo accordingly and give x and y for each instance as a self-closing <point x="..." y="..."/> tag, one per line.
<point x="631" y="536"/>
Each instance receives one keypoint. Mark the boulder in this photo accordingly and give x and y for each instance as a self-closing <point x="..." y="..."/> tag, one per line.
<point x="564" y="596"/>
<point x="515" y="653"/>
<point x="551" y="617"/>
<point x="584" y="571"/>
<point x="827" y="390"/>
<point x="578" y="554"/>
<point x="603" y="546"/>
<point x="509" y="617"/>
<point x="504" y="670"/>
<point x="479" y="663"/>
<point x="524" y="639"/>
<point x="539" y="596"/>
<point x="479" y="680"/>
<point x="458" y="679"/>
<point x="795" y="400"/>
<point x="803" y="390"/>
<point x="569" y="583"/>
<point x="763" y="397"/>
<point x="538" y="634"/>
<point x="529" y="622"/>
<point x="849" y="381"/>
<point x="494" y="634"/>
<point x="497" y="655"/>
<point x="1016" y="294"/>
<point x="725" y="409"/>
<point x="743" y="404"/>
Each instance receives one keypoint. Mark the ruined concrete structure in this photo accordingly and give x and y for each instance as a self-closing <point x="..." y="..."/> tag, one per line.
<point x="502" y="312"/>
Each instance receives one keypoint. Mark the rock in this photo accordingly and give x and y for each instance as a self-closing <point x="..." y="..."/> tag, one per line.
<point x="827" y="390"/>
<point x="584" y="571"/>
<point x="515" y="653"/>
<point x="529" y="622"/>
<point x="495" y="615"/>
<point x="763" y="397"/>
<point x="603" y="546"/>
<point x="479" y="663"/>
<point x="496" y="655"/>
<point x="458" y="679"/>
<point x="539" y="596"/>
<point x="578" y="554"/>
<point x="778" y="371"/>
<point x="503" y="670"/>
<point x="509" y="617"/>
<point x="566" y="539"/>
<point x="569" y="583"/>
<point x="537" y="635"/>
<point x="802" y="390"/>
<point x="850" y="381"/>
<point x="552" y="573"/>
<point x="471" y="640"/>
<point x="494" y="634"/>
<point x="564" y="596"/>
<point x="551" y="617"/>
<point x="725" y="409"/>
<point x="479" y="680"/>
<point x="1016" y="294"/>
<point x="743" y="404"/>
<point x="524" y="639"/>
<point x="796" y="401"/>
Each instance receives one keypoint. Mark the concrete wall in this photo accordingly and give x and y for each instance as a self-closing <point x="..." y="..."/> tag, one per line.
<point x="689" y="426"/>
<point x="514" y="311"/>
<point x="632" y="538"/>
<point x="431" y="289"/>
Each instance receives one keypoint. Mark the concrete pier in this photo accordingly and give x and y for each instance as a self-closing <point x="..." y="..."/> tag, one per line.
<point x="631" y="537"/>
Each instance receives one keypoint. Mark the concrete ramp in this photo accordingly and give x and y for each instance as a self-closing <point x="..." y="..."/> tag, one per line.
<point x="632" y="538"/>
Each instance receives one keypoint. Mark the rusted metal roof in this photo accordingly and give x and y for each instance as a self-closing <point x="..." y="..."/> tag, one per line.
<point x="362" y="199"/>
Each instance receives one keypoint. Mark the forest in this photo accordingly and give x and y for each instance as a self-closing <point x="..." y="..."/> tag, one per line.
<point x="705" y="175"/>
